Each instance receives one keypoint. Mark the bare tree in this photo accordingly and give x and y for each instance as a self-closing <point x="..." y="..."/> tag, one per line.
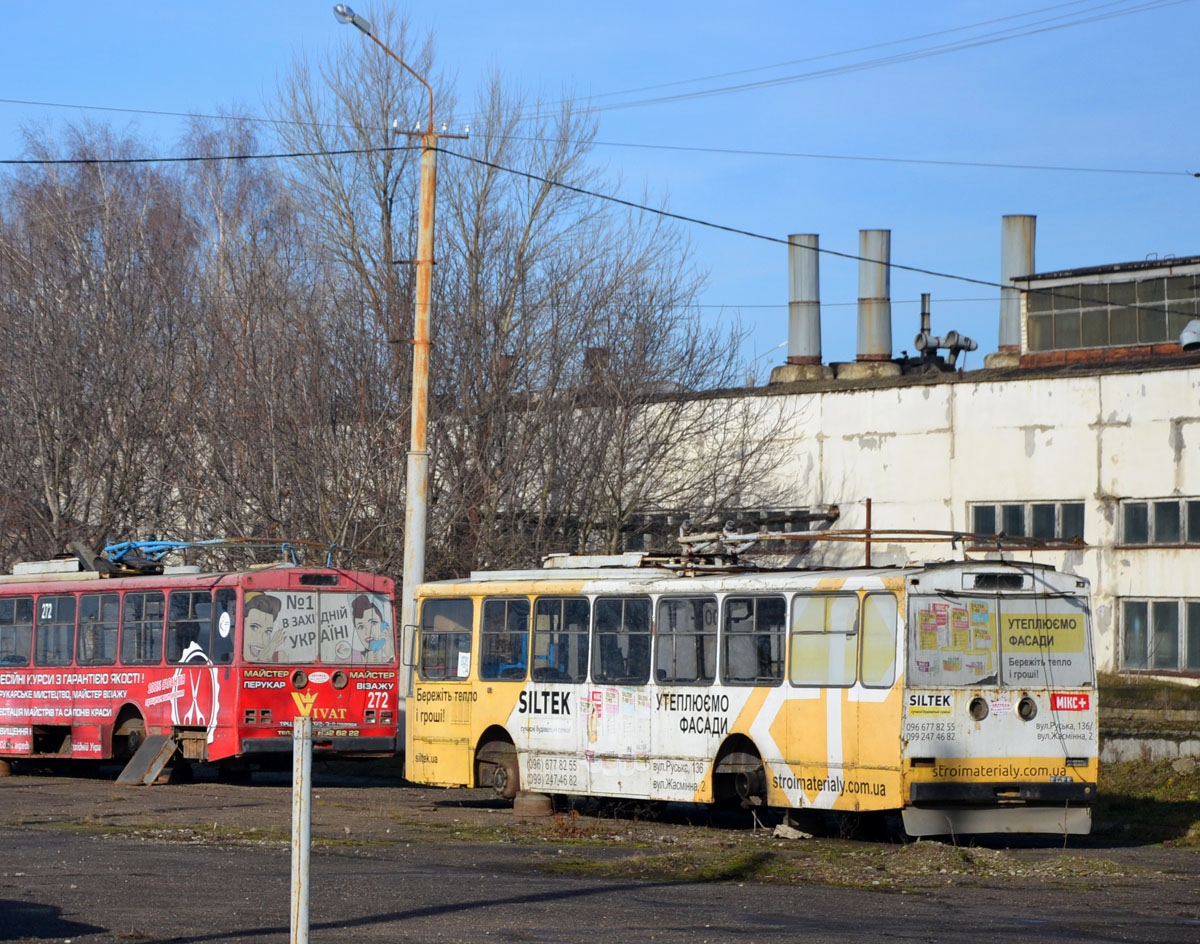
<point x="216" y="348"/>
<point x="94" y="261"/>
<point x="566" y="340"/>
<point x="296" y="431"/>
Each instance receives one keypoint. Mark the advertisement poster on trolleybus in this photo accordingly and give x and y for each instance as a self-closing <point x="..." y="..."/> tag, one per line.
<point x="623" y="740"/>
<point x="86" y="673"/>
<point x="992" y="677"/>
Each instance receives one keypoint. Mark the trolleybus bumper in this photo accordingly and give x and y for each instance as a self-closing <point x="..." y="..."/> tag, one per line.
<point x="330" y="745"/>
<point x="991" y="793"/>
<point x="939" y="809"/>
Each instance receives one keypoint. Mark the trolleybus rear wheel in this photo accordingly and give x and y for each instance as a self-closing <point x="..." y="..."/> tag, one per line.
<point x="739" y="776"/>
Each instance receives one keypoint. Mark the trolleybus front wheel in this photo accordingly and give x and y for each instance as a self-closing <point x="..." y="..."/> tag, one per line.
<point x="498" y="767"/>
<point x="128" y="735"/>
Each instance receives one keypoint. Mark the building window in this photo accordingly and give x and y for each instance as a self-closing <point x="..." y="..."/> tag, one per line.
<point x="1047" y="522"/>
<point x="1111" y="314"/>
<point x="1170" y="521"/>
<point x="1162" y="635"/>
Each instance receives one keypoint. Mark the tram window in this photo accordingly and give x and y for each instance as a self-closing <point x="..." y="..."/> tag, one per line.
<point x="879" y="614"/>
<point x="560" y="639"/>
<point x="752" y="646"/>
<point x="621" y="653"/>
<point x="189" y="625"/>
<point x="686" y="641"/>
<point x="16" y="630"/>
<point x="504" y="639"/>
<point x="824" y="639"/>
<point x="99" y="617"/>
<point x="446" y="639"/>
<point x="54" y="631"/>
<point x="142" y="628"/>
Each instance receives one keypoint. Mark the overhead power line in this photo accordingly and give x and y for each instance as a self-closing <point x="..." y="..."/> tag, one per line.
<point x="845" y="52"/>
<point x="667" y="214"/>
<point x="1042" y="26"/>
<point x="610" y="198"/>
<point x="696" y="221"/>
<point x="198" y="158"/>
<point x="741" y="152"/>
<point x="1091" y="13"/>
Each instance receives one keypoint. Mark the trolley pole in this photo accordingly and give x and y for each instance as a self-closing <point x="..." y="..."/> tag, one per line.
<point x="301" y="825"/>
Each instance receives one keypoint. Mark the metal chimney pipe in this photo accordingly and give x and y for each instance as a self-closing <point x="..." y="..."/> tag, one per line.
<point x="874" y="295"/>
<point x="1016" y="258"/>
<point x="804" y="299"/>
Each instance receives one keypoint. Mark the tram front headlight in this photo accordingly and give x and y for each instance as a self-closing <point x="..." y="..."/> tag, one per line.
<point x="978" y="708"/>
<point x="300" y="678"/>
<point x="1027" y="709"/>
<point x="340" y="679"/>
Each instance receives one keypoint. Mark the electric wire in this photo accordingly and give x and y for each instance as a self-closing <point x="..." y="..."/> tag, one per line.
<point x="696" y="221"/>
<point x="1003" y="36"/>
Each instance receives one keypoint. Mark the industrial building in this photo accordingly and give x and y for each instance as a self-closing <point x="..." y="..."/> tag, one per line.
<point x="1080" y="432"/>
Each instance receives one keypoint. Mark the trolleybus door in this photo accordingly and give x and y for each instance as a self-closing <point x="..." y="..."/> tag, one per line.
<point x="440" y="750"/>
<point x="618" y="736"/>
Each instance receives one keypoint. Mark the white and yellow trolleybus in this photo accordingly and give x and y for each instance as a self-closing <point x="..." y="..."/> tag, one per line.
<point x="961" y="695"/>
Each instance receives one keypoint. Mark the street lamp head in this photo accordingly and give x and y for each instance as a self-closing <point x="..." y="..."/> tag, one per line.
<point x="344" y="14"/>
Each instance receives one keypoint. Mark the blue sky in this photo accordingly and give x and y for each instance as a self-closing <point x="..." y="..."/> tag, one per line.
<point x="903" y="121"/>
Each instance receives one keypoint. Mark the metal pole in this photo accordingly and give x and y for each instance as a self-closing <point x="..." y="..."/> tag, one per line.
<point x="867" y="543"/>
<point x="417" y="489"/>
<point x="301" y="825"/>
<point x="417" y="486"/>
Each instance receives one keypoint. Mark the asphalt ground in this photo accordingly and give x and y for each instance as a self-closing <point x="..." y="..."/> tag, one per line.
<point x="83" y="859"/>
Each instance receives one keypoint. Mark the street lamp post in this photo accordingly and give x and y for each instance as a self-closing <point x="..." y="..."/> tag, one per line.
<point x="417" y="489"/>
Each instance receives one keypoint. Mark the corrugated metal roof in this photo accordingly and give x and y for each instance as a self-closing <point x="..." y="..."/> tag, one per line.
<point x="1168" y="263"/>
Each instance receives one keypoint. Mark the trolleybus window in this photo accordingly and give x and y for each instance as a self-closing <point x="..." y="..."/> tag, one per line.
<point x="189" y="625"/>
<point x="824" y="639"/>
<point x="446" y="639"/>
<point x="373" y="642"/>
<point x="1045" y="642"/>
<point x="226" y="617"/>
<point x="295" y="628"/>
<point x="54" y="631"/>
<point x="622" y="641"/>
<point x="16" y="630"/>
<point x="142" y="628"/>
<point x="686" y="640"/>
<point x="752" y="652"/>
<point x="560" y="639"/>
<point x="1022" y="641"/>
<point x="879" y="614"/>
<point x="504" y="639"/>
<point x="99" y="617"/>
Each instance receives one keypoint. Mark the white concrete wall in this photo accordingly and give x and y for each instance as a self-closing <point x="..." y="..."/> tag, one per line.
<point x="923" y="454"/>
